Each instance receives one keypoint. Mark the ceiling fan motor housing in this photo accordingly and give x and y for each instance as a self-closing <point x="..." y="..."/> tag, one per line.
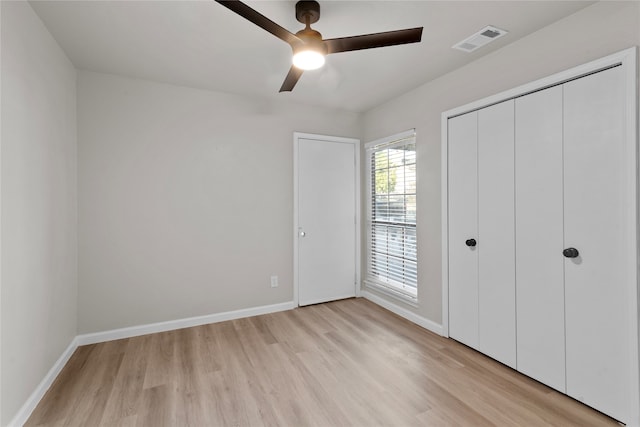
<point x="307" y="9"/>
<point x="309" y="35"/>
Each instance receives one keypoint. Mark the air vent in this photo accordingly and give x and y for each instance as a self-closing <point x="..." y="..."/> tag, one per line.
<point x="479" y="39"/>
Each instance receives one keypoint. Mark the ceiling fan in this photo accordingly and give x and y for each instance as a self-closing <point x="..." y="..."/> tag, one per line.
<point x="309" y="49"/>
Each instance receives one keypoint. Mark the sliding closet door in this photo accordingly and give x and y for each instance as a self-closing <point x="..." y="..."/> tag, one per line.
<point x="597" y="221"/>
<point x="539" y="231"/>
<point x="496" y="241"/>
<point x="463" y="228"/>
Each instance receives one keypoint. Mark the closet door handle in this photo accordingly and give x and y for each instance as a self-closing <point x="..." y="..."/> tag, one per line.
<point x="571" y="253"/>
<point x="471" y="242"/>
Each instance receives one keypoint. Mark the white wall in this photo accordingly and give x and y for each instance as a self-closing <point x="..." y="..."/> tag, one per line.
<point x="596" y="31"/>
<point x="38" y="204"/>
<point x="185" y="199"/>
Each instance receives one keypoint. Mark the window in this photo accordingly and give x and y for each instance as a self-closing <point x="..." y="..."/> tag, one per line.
<point x="391" y="216"/>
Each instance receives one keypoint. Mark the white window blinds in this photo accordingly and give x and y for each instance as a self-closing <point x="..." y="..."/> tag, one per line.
<point x="391" y="219"/>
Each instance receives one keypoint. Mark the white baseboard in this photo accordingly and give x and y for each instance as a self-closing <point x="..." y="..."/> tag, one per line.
<point x="134" y="331"/>
<point x="403" y="312"/>
<point x="25" y="411"/>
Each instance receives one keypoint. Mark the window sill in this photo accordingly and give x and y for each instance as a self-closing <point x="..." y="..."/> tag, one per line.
<point x="390" y="292"/>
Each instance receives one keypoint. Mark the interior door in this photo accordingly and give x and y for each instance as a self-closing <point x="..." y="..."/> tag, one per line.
<point x="326" y="235"/>
<point x="463" y="228"/>
<point x="597" y="214"/>
<point x="539" y="237"/>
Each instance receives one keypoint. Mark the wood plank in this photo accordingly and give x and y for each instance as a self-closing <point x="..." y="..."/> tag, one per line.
<point x="343" y="363"/>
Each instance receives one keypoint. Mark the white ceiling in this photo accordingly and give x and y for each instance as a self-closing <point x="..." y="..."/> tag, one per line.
<point x="201" y="44"/>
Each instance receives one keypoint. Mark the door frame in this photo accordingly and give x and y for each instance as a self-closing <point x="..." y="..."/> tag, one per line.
<point x="627" y="60"/>
<point x="297" y="136"/>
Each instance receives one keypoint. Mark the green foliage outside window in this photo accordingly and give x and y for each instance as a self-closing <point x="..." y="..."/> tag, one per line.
<point x="385" y="177"/>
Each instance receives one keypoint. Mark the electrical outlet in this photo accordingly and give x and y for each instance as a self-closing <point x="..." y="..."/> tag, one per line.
<point x="274" y="281"/>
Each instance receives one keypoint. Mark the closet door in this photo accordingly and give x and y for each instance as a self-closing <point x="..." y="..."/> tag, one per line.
<point x="496" y="245"/>
<point x="596" y="221"/>
<point x="463" y="228"/>
<point x="539" y="237"/>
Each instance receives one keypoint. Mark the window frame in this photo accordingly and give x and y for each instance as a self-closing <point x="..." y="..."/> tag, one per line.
<point x="397" y="140"/>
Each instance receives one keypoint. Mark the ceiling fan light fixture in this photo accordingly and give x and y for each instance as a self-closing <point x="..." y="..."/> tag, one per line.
<point x="309" y="48"/>
<point x="308" y="59"/>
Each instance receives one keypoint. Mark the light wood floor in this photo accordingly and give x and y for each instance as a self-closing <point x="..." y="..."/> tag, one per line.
<point x="348" y="362"/>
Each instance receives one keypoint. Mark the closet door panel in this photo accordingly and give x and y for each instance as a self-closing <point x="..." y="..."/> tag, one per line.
<point x="539" y="237"/>
<point x="496" y="246"/>
<point x="596" y="224"/>
<point x="463" y="221"/>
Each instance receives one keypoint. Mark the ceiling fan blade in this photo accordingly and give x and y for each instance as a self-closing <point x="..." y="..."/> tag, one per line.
<point x="260" y="20"/>
<point x="368" y="41"/>
<point x="291" y="79"/>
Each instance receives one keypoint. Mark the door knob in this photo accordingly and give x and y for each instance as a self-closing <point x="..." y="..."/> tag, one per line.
<point x="302" y="234"/>
<point x="471" y="242"/>
<point x="570" y="253"/>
